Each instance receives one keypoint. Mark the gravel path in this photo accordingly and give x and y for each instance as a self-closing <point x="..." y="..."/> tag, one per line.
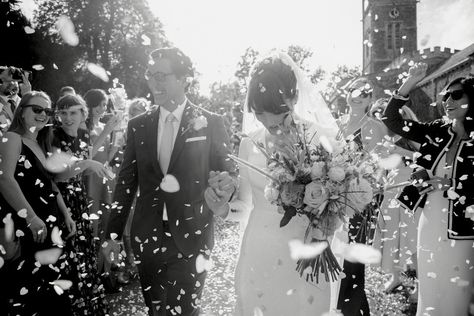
<point x="219" y="296"/>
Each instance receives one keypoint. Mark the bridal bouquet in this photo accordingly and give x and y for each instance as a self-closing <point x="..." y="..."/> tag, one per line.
<point x="327" y="181"/>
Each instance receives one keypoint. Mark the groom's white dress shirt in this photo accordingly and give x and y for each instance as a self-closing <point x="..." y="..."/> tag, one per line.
<point x="178" y="114"/>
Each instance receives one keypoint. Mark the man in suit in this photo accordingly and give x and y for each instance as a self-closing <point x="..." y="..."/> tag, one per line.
<point x="171" y="230"/>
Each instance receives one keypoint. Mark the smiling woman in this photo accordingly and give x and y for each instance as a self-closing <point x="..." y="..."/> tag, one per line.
<point x="445" y="229"/>
<point x="30" y="195"/>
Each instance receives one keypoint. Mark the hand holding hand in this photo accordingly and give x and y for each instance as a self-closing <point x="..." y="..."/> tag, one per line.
<point x="222" y="184"/>
<point x="38" y="229"/>
<point x="219" y="206"/>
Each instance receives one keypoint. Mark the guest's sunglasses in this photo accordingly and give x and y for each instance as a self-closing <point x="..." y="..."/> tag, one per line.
<point x="355" y="93"/>
<point x="455" y="95"/>
<point x="38" y="109"/>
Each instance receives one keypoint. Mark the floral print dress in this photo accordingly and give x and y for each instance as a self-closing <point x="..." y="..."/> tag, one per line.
<point x="87" y="292"/>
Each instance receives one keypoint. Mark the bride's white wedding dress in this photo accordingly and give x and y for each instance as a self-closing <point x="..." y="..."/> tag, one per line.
<point x="266" y="277"/>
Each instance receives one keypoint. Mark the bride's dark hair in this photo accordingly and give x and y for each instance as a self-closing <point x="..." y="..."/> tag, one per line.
<point x="271" y="82"/>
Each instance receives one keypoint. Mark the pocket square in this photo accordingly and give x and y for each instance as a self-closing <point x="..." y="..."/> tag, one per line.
<point x="195" y="139"/>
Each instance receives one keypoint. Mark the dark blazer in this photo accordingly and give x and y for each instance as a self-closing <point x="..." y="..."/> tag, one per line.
<point x="195" y="153"/>
<point x="435" y="139"/>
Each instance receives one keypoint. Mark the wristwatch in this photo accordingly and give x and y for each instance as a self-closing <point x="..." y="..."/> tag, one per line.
<point x="398" y="96"/>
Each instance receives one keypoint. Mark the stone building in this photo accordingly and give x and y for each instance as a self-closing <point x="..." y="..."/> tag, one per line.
<point x="390" y="48"/>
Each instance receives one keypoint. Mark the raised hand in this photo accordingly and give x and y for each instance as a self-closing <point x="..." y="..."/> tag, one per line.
<point x="415" y="74"/>
<point x="417" y="71"/>
<point x="113" y="122"/>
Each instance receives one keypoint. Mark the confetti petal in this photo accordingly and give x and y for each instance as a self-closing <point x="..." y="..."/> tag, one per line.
<point x="48" y="256"/>
<point x="56" y="237"/>
<point x="66" y="30"/>
<point x="59" y="161"/>
<point x="300" y="250"/>
<point x="98" y="71"/>
<point x="169" y="184"/>
<point x="362" y="253"/>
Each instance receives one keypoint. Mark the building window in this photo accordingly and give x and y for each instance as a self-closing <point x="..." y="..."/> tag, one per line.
<point x="394" y="35"/>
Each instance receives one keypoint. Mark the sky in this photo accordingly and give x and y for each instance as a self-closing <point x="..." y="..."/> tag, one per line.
<point x="215" y="33"/>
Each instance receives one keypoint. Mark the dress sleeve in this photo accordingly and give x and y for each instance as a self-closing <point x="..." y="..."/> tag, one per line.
<point x="242" y="205"/>
<point x="409" y="129"/>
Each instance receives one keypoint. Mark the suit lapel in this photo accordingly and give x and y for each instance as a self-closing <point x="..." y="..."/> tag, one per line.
<point x="181" y="136"/>
<point x="152" y="131"/>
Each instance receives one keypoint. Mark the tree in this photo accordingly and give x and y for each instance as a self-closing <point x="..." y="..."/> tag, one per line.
<point x="115" y="34"/>
<point x="244" y="65"/>
<point x="16" y="34"/>
<point x="334" y="91"/>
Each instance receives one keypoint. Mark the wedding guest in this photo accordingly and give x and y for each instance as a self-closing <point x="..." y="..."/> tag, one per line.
<point x="38" y="211"/>
<point x="446" y="226"/>
<point x="99" y="190"/>
<point x="396" y="230"/>
<point x="366" y="133"/>
<point x="136" y="107"/>
<point x="87" y="291"/>
<point x="66" y="90"/>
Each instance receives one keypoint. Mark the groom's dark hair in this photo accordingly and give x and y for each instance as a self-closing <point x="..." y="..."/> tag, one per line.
<point x="179" y="62"/>
<point x="272" y="81"/>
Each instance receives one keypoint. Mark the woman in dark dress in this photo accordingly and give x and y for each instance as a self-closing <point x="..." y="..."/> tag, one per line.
<point x="39" y="214"/>
<point x="87" y="291"/>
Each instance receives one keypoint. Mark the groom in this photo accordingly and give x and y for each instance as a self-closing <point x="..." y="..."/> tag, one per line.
<point x="172" y="230"/>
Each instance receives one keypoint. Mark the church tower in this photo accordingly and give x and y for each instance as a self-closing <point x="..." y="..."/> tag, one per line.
<point x="389" y="30"/>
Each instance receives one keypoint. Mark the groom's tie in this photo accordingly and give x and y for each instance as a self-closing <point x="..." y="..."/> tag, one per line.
<point x="166" y="146"/>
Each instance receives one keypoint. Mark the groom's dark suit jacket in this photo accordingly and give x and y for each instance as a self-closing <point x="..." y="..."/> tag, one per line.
<point x="195" y="153"/>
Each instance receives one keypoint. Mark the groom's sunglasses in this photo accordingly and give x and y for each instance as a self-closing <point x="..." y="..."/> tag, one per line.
<point x="455" y="95"/>
<point x="38" y="109"/>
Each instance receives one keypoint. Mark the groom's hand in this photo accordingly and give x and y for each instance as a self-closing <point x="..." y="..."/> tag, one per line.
<point x="218" y="205"/>
<point x="222" y="184"/>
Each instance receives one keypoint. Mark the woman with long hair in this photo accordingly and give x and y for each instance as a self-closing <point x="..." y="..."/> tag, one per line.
<point x="38" y="212"/>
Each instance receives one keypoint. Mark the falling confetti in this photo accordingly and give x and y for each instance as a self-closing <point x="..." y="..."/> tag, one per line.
<point x="56" y="237"/>
<point x="48" y="256"/>
<point x="98" y="71"/>
<point x="362" y="253"/>
<point x="59" y="161"/>
<point x="66" y="30"/>
<point x="391" y="162"/>
<point x="169" y="184"/>
<point x="300" y="250"/>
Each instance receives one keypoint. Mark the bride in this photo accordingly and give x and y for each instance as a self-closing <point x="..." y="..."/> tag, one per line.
<point x="267" y="282"/>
